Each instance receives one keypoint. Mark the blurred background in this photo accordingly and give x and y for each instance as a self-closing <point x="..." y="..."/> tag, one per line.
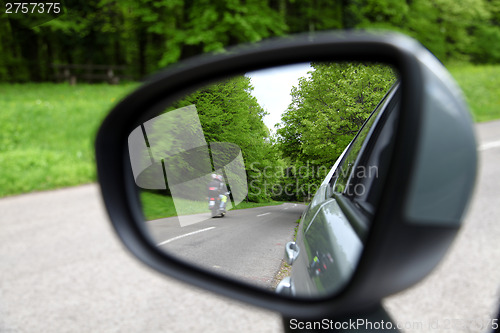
<point x="60" y="74"/>
<point x="147" y="35"/>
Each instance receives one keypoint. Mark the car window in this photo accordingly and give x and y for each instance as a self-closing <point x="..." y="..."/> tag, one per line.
<point x="360" y="168"/>
<point x="373" y="163"/>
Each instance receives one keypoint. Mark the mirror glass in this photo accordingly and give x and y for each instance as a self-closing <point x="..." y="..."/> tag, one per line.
<point x="250" y="176"/>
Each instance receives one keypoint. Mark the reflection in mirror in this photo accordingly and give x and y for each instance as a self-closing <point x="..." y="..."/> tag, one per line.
<point x="240" y="177"/>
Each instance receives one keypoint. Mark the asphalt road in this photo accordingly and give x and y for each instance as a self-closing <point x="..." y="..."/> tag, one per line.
<point x="463" y="293"/>
<point x="62" y="269"/>
<point x="247" y="244"/>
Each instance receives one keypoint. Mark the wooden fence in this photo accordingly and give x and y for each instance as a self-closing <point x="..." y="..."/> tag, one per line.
<point x="74" y="73"/>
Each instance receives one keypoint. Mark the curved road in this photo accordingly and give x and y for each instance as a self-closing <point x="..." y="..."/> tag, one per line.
<point x="246" y="243"/>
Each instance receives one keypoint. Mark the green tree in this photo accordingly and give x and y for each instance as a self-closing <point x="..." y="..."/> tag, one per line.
<point x="327" y="110"/>
<point x="229" y="113"/>
<point x="146" y="35"/>
<point x="486" y="43"/>
<point x="386" y="14"/>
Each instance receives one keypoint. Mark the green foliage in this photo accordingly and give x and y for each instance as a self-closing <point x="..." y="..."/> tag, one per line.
<point x="328" y="108"/>
<point x="451" y="30"/>
<point x="483" y="50"/>
<point x="456" y="21"/>
<point x="326" y="112"/>
<point x="315" y="15"/>
<point x="381" y="14"/>
<point x="229" y="113"/>
<point x="146" y="35"/>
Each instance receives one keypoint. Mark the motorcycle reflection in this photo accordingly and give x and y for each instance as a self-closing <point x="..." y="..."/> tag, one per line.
<point x="217" y="196"/>
<point x="320" y="264"/>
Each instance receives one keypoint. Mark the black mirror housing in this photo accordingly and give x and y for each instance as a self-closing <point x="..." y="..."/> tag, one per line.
<point x="431" y="176"/>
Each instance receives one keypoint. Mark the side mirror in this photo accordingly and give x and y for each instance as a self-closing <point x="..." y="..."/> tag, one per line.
<point x="187" y="169"/>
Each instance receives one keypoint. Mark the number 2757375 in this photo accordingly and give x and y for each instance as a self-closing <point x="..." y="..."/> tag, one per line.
<point x="32" y="7"/>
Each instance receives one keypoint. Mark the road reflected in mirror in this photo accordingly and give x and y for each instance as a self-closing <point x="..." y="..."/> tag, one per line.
<point x="251" y="177"/>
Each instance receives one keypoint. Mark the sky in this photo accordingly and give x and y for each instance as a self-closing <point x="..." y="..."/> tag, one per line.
<point x="272" y="88"/>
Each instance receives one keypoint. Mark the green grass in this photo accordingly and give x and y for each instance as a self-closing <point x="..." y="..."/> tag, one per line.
<point x="47" y="133"/>
<point x="156" y="206"/>
<point x="245" y="205"/>
<point x="481" y="86"/>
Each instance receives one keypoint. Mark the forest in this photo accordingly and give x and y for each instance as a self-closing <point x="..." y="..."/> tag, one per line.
<point x="145" y="35"/>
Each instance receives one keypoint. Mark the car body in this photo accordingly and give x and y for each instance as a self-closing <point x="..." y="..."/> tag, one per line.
<point x="328" y="245"/>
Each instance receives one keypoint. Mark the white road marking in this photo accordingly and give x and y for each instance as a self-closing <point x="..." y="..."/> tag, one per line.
<point x="489" y="145"/>
<point x="185" y="235"/>
<point x="263" y="214"/>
